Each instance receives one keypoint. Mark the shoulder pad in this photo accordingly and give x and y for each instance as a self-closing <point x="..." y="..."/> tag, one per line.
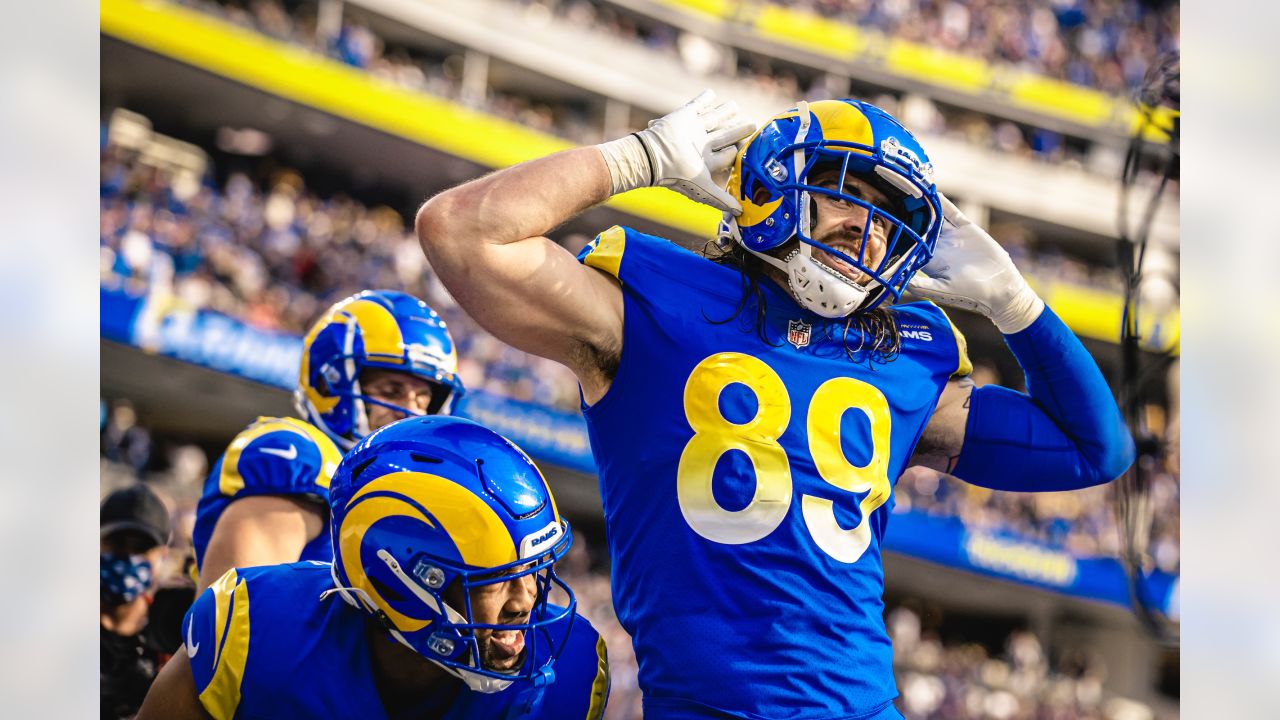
<point x="581" y="689"/>
<point x="933" y="314"/>
<point x="278" y="456"/>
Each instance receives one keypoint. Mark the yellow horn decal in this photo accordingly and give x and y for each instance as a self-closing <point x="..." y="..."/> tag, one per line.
<point x="382" y="338"/>
<point x="752" y="213"/>
<point x="841" y="121"/>
<point x="350" y="537"/>
<point x="322" y="404"/>
<point x="479" y="534"/>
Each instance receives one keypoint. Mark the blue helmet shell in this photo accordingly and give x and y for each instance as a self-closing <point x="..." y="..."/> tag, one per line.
<point x="429" y="502"/>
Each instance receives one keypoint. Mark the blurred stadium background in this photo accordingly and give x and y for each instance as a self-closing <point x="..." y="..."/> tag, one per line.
<point x="262" y="159"/>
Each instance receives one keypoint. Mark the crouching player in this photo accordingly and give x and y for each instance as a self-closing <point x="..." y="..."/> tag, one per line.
<point x="436" y="604"/>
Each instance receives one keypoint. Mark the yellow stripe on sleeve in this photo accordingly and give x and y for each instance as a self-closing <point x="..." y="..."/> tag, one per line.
<point x="599" y="686"/>
<point x="606" y="253"/>
<point x="964" y="367"/>
<point x="221" y="696"/>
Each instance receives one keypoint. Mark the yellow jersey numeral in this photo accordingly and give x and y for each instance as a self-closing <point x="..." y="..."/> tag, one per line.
<point x="714" y="435"/>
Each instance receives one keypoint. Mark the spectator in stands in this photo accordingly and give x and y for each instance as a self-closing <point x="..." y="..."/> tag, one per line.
<point x="1103" y="44"/>
<point x="139" y="627"/>
<point x="123" y="439"/>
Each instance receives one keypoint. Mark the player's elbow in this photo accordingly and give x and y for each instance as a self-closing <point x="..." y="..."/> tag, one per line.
<point x="1118" y="455"/>
<point x="1114" y="455"/>
<point x="449" y="223"/>
<point x="433" y="224"/>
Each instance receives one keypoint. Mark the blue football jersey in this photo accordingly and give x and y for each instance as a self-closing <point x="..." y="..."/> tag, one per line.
<point x="747" y="485"/>
<point x="273" y="456"/>
<point x="263" y="644"/>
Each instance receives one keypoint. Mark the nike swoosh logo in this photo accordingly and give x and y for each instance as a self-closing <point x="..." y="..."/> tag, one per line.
<point x="192" y="647"/>
<point x="289" y="454"/>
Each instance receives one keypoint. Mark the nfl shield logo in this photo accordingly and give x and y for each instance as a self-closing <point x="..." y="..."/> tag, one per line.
<point x="798" y="332"/>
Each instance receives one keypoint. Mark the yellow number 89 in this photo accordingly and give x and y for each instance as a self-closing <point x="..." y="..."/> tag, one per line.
<point x="714" y="435"/>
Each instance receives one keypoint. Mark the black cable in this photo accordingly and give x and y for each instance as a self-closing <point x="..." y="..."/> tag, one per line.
<point x="1132" y="490"/>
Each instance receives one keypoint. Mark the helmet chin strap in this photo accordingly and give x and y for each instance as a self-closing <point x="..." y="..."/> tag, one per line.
<point x="427" y="599"/>
<point x="474" y="681"/>
<point x="477" y="683"/>
<point x="817" y="288"/>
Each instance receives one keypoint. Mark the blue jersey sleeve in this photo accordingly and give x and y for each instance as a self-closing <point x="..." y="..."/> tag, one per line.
<point x="277" y="456"/>
<point x="217" y="643"/>
<point x="581" y="687"/>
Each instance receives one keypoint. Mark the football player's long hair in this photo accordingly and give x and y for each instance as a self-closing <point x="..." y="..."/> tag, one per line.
<point x="878" y="339"/>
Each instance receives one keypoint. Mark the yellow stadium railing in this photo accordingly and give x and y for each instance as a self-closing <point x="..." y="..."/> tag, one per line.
<point x="318" y="82"/>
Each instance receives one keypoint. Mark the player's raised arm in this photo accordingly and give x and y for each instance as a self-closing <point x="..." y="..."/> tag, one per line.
<point x="486" y="238"/>
<point x="1066" y="432"/>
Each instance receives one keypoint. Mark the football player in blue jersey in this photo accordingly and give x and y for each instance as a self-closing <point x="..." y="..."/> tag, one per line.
<point x="750" y="411"/>
<point x="371" y="359"/>
<point x="436" y="604"/>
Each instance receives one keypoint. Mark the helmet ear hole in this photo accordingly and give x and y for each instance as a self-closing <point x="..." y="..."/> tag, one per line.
<point x="385" y="590"/>
<point x="440" y="393"/>
<point x="760" y="194"/>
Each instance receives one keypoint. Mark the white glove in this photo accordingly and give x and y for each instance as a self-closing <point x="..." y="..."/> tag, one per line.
<point x="970" y="271"/>
<point x="682" y="151"/>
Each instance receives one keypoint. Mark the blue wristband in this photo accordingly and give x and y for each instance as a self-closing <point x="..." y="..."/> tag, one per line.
<point x="1065" y="434"/>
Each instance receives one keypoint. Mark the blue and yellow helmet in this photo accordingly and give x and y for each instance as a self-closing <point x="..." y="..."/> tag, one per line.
<point x="770" y="177"/>
<point x="428" y="503"/>
<point x="372" y="329"/>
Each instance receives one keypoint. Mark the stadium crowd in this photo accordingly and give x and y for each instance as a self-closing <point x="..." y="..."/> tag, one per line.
<point x="1104" y="44"/>
<point x="275" y="259"/>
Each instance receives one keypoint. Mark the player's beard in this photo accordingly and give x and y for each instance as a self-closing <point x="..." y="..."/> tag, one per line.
<point x="850" y="246"/>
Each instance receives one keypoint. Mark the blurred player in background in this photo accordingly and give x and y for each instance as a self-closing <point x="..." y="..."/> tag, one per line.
<point x="371" y="359"/>
<point x="744" y="502"/>
<point x="136" y="636"/>
<point x="436" y="604"/>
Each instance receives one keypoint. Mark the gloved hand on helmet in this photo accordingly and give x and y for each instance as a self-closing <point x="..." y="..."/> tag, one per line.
<point x="685" y="151"/>
<point x="969" y="270"/>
